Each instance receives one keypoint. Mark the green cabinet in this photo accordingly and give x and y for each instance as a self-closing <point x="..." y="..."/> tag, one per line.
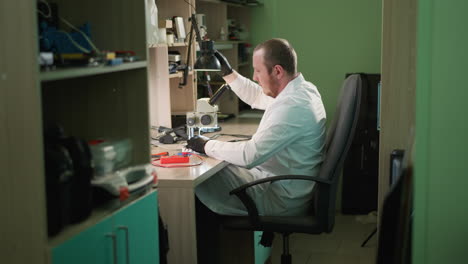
<point x="129" y="235"/>
<point x="93" y="245"/>
<point x="136" y="228"/>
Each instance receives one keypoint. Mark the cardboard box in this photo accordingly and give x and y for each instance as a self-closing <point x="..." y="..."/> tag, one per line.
<point x="165" y="23"/>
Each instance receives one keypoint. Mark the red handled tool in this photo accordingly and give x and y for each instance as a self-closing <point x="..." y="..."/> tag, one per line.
<point x="159" y="155"/>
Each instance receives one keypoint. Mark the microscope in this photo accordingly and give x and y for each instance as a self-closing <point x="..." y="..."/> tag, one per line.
<point x="205" y="118"/>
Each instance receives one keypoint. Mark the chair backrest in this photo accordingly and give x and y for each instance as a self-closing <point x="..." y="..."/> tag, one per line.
<point x="339" y="137"/>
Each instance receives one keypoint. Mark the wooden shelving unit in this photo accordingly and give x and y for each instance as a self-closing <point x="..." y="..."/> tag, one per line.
<point x="217" y="15"/>
<point x="166" y="93"/>
<point x="89" y="103"/>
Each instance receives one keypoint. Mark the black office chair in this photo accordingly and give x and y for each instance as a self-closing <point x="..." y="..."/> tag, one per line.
<point x="322" y="219"/>
<point x="395" y="230"/>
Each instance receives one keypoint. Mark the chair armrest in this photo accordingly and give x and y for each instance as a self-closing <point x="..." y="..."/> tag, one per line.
<point x="241" y="192"/>
<point x="278" y="178"/>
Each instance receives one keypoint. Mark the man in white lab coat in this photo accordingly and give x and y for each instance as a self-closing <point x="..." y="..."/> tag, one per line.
<point x="289" y="140"/>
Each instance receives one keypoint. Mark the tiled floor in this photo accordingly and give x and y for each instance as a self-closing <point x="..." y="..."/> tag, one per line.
<point x="342" y="246"/>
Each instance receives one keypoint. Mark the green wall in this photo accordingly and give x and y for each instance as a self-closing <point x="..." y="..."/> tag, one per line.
<point x="441" y="158"/>
<point x="331" y="37"/>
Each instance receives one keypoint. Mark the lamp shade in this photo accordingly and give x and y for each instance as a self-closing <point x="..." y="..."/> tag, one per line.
<point x="207" y="61"/>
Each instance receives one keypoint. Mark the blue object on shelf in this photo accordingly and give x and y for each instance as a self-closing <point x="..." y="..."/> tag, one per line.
<point x="57" y="41"/>
<point x="115" y="62"/>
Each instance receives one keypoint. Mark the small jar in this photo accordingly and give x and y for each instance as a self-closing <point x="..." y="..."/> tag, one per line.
<point x="170" y="38"/>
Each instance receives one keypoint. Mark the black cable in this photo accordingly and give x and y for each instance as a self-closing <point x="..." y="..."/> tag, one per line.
<point x="238" y="140"/>
<point x="236" y="135"/>
<point x="244" y="137"/>
<point x="191" y="6"/>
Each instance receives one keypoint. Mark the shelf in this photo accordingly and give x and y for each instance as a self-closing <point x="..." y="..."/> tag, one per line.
<point x="175" y="75"/>
<point x="69" y="73"/>
<point x="159" y="45"/>
<point x="182" y="44"/>
<point x="226" y="3"/>
<point x="178" y="74"/>
<point x="227" y="44"/>
<point x="223" y="46"/>
<point x="230" y="41"/>
<point x="178" y="113"/>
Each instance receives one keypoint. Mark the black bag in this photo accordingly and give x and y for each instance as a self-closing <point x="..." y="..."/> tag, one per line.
<point x="69" y="171"/>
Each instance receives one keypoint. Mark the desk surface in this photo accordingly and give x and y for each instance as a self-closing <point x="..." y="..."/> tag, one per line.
<point x="176" y="188"/>
<point x="190" y="177"/>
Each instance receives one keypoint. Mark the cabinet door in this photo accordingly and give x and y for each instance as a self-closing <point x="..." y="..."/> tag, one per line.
<point x="91" y="246"/>
<point x="137" y="232"/>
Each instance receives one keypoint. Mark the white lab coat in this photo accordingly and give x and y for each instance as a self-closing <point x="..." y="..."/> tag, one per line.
<point x="289" y="141"/>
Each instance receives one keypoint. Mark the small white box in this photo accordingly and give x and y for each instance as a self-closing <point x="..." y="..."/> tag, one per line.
<point x="180" y="29"/>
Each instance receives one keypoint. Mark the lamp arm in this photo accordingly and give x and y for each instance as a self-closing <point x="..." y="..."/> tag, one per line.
<point x="186" y="69"/>
<point x="219" y="93"/>
<point x="194" y="21"/>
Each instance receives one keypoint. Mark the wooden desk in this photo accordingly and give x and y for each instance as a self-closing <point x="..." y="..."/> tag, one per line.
<point x="176" y="187"/>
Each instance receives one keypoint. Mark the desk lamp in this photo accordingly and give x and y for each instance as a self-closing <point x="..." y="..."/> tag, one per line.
<point x="205" y="118"/>
<point x="207" y="61"/>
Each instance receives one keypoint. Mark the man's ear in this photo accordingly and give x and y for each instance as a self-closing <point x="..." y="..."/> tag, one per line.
<point x="278" y="71"/>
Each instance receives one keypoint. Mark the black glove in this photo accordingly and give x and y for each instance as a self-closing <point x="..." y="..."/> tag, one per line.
<point x="226" y="68"/>
<point x="197" y="144"/>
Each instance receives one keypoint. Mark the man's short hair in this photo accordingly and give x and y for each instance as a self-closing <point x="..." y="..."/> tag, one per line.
<point x="279" y="52"/>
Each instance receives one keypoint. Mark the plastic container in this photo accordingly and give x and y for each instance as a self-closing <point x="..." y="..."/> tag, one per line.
<point x="152" y="36"/>
<point x="110" y="155"/>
